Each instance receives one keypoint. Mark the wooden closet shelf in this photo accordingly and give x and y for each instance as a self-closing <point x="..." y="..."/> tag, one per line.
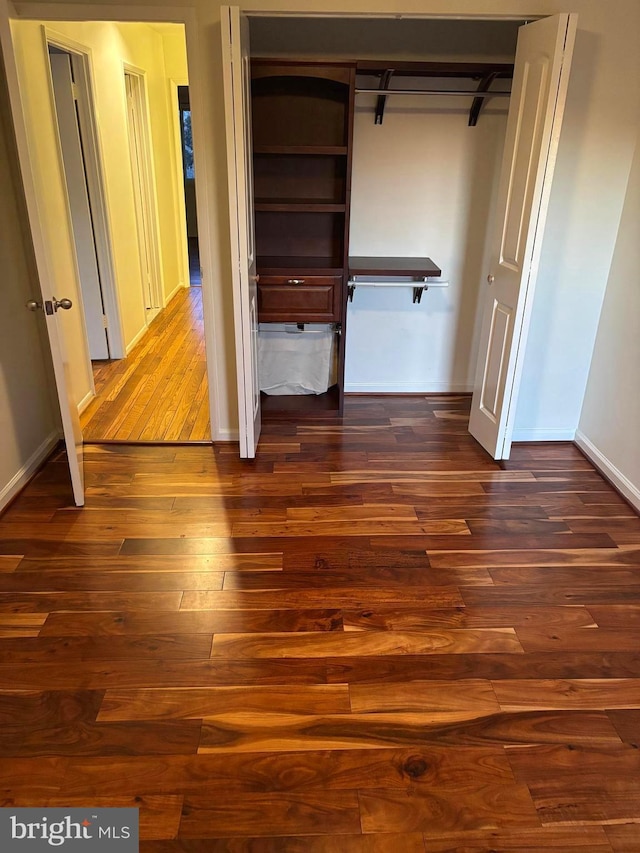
<point x="476" y="70"/>
<point x="297" y="205"/>
<point x="288" y="264"/>
<point x="294" y="406"/>
<point x="329" y="150"/>
<point x="418" y="267"/>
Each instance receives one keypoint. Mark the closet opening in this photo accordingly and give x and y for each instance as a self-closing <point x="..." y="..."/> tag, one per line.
<point x="373" y="204"/>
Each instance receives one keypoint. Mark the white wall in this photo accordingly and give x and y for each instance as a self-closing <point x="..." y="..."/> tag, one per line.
<point x="28" y="425"/>
<point x="609" y="429"/>
<point x="593" y="166"/>
<point x="422" y="186"/>
<point x="144" y="47"/>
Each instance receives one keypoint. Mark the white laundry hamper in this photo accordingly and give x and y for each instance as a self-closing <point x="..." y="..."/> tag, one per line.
<point x="294" y="361"/>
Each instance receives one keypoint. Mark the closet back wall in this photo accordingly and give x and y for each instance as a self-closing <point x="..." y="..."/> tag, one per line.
<point x="423" y="185"/>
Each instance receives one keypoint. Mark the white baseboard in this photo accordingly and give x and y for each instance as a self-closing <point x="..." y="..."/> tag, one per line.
<point x="543" y="435"/>
<point x="82" y="405"/>
<point x="24" y="474"/>
<point x="170" y="296"/>
<point x="135" y="340"/>
<point x="408" y="388"/>
<point x="227" y="435"/>
<point x="609" y="470"/>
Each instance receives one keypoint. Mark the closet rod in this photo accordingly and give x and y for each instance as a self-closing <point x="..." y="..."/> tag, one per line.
<point x="385" y="92"/>
<point x="299" y="331"/>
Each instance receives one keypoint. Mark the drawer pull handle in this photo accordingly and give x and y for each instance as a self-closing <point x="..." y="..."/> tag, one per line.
<point x="295" y="281"/>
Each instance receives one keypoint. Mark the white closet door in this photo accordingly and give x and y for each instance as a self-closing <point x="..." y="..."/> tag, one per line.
<point x="79" y="204"/>
<point x="543" y="60"/>
<point x="237" y="99"/>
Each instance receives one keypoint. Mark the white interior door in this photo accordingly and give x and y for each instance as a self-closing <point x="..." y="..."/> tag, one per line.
<point x="82" y="220"/>
<point x="142" y="192"/>
<point x="55" y="318"/>
<point x="543" y="60"/>
<point x="237" y="99"/>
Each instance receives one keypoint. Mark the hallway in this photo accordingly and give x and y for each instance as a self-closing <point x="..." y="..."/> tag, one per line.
<point x="159" y="392"/>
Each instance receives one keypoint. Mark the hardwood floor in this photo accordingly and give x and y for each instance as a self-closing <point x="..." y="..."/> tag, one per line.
<point x="159" y="392"/>
<point x="372" y="639"/>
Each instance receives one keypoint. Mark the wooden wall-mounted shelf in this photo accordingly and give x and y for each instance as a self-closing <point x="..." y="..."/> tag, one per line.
<point x="484" y="72"/>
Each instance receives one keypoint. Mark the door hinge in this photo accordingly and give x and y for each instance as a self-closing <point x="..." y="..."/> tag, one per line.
<point x="74" y="91"/>
<point x="105" y="321"/>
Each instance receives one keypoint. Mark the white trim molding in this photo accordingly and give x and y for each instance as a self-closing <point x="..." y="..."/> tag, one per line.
<point x="543" y="435"/>
<point x="180" y="286"/>
<point x="408" y="388"/>
<point x="82" y="405"/>
<point x="136" y="338"/>
<point x="608" y="470"/>
<point x="26" y="472"/>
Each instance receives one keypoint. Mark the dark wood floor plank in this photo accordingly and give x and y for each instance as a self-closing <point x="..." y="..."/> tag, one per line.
<point x="445" y="809"/>
<point x="365" y="643"/>
<point x="67" y="624"/>
<point x="324" y="770"/>
<point x="216" y="563"/>
<point x="627" y="724"/>
<point x="351" y="597"/>
<point x="132" y="581"/>
<point x="471" y="695"/>
<point x="577" y="693"/>
<point x="307" y="814"/>
<point x="51" y="602"/>
<point x="85" y="738"/>
<point x="418" y="618"/>
<point x="573" y="761"/>
<point x="558" y="664"/>
<point x="561" y="839"/>
<point x="104" y="674"/>
<point x="589" y="800"/>
<point x="269" y="732"/>
<point x="373" y="638"/>
<point x="383" y="843"/>
<point x="623" y="838"/>
<point x="68" y="650"/>
<point x="194" y="702"/>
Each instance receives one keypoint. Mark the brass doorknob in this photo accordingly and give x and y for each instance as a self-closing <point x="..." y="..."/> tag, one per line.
<point x="491" y="278"/>
<point x="32" y="305"/>
<point x="65" y="304"/>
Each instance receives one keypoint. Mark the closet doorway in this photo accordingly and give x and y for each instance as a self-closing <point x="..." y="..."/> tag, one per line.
<point x="189" y="183"/>
<point x="144" y="190"/>
<point x="501" y="285"/>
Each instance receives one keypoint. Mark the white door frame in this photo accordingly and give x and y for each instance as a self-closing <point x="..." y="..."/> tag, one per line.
<point x="178" y="180"/>
<point x="144" y="190"/>
<point x="206" y="207"/>
<point x="82" y="62"/>
<point x="245" y="345"/>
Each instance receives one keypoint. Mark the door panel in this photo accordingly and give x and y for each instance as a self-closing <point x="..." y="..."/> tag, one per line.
<point x="79" y="204"/>
<point x="51" y="234"/>
<point x="237" y="83"/>
<point x="541" y="73"/>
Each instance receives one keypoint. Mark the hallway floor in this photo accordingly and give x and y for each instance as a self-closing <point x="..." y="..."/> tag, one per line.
<point x="159" y="391"/>
<point x="371" y="639"/>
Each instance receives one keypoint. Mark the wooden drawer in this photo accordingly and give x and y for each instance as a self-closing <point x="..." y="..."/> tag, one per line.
<point x="299" y="298"/>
